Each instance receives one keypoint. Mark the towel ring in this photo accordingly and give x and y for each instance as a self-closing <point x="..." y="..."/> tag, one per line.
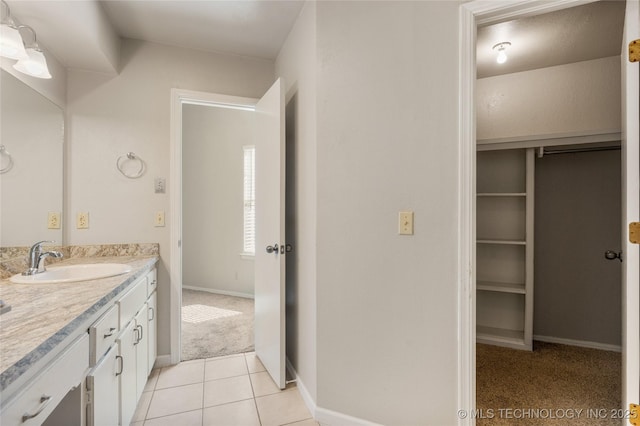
<point x="130" y="156"/>
<point x="5" y="153"/>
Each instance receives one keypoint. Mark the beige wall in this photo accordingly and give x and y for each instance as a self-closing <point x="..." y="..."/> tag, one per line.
<point x="387" y="141"/>
<point x="297" y="64"/>
<point x="212" y="199"/>
<point x="109" y="116"/>
<point x="577" y="217"/>
<point x="583" y="96"/>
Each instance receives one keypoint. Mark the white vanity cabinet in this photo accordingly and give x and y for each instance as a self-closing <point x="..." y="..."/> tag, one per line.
<point x="38" y="400"/>
<point x="116" y="383"/>
<point x="103" y="386"/>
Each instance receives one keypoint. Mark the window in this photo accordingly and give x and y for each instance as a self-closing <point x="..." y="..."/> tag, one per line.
<point x="249" y="242"/>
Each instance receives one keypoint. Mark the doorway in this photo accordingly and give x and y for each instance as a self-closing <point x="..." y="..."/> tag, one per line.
<point x="477" y="14"/>
<point x="269" y="267"/>
<point x="218" y="245"/>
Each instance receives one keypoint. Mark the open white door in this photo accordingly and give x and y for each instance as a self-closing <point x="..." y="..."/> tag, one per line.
<point x="269" y="326"/>
<point x="630" y="211"/>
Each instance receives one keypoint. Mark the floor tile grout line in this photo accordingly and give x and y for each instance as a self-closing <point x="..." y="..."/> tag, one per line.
<point x="253" y="391"/>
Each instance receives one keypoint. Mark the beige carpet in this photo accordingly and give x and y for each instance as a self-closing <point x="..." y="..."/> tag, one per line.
<point x="215" y="325"/>
<point x="547" y="386"/>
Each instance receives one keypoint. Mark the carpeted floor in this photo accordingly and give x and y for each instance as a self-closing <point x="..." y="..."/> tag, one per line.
<point x="547" y="386"/>
<point x="215" y="325"/>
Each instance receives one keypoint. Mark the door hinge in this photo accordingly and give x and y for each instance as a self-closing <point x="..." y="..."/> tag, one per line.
<point x="634" y="51"/>
<point x="634" y="419"/>
<point x="634" y="232"/>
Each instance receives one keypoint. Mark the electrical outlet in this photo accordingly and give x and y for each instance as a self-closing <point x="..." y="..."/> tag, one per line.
<point x="405" y="223"/>
<point x="82" y="220"/>
<point x="53" y="220"/>
<point x="159" y="219"/>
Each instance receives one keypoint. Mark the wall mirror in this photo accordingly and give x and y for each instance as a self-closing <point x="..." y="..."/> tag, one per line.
<point x="31" y="165"/>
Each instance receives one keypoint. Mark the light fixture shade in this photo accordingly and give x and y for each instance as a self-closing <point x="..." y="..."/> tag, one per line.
<point x="34" y="65"/>
<point x="11" y="45"/>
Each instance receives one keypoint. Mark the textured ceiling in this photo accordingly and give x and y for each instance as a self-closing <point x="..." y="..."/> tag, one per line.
<point x="570" y="35"/>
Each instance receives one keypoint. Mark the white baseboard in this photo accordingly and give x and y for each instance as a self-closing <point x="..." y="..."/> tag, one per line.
<point x="580" y="343"/>
<point x="216" y="291"/>
<point x="322" y="415"/>
<point x="162" y="361"/>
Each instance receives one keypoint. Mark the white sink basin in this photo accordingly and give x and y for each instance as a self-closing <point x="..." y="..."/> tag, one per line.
<point x="71" y="273"/>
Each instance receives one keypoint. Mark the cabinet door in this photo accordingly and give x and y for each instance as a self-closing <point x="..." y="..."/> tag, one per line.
<point x="128" y="394"/>
<point x="102" y="383"/>
<point x="142" y="345"/>
<point x="153" y="331"/>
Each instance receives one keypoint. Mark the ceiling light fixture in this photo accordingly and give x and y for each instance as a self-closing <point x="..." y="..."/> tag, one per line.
<point x="502" y="55"/>
<point x="11" y="45"/>
<point x="34" y="64"/>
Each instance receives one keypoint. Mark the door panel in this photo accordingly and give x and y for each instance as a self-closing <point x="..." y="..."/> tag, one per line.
<point x="103" y="382"/>
<point x="630" y="210"/>
<point x="270" y="267"/>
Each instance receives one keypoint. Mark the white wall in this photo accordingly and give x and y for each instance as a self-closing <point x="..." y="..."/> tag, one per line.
<point x="109" y="116"/>
<point x="297" y="64"/>
<point x="583" y="96"/>
<point x="387" y="141"/>
<point x="32" y="131"/>
<point x="212" y="199"/>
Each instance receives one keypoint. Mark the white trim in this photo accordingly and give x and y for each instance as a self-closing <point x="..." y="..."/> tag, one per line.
<point x="466" y="219"/>
<point x="178" y="98"/>
<point x="162" y="361"/>
<point x="558" y="139"/>
<point x="302" y="389"/>
<point x="322" y="415"/>
<point x="579" y="343"/>
<point x="218" y="291"/>
<point x="472" y="15"/>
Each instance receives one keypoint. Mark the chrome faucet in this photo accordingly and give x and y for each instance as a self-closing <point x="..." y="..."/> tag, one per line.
<point x="36" y="258"/>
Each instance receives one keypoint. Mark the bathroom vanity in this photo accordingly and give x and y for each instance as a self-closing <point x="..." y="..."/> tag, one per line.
<point x="78" y="353"/>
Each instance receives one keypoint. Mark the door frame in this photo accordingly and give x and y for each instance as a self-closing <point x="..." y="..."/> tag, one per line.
<point x="180" y="97"/>
<point x="472" y="15"/>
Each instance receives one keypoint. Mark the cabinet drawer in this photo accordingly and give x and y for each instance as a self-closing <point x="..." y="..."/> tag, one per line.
<point x="131" y="302"/>
<point x="102" y="334"/>
<point x="152" y="281"/>
<point x="40" y="398"/>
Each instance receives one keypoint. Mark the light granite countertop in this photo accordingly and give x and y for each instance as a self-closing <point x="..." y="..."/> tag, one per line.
<point x="43" y="317"/>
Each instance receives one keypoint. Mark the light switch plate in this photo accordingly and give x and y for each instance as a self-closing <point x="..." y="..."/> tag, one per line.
<point x="405" y="223"/>
<point x="159" y="219"/>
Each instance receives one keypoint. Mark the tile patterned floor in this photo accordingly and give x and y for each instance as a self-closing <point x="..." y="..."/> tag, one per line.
<point x="232" y="390"/>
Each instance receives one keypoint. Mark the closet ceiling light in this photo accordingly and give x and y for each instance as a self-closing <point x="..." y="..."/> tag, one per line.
<point x="501" y="48"/>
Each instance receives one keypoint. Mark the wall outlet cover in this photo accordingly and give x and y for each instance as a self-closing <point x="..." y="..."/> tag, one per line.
<point x="53" y="220"/>
<point x="82" y="220"/>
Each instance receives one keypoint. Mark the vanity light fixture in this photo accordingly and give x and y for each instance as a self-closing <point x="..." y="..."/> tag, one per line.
<point x="35" y="64"/>
<point x="11" y="45"/>
<point x="501" y="48"/>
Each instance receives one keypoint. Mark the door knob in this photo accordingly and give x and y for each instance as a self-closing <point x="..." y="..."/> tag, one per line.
<point x="273" y="249"/>
<point x="610" y="255"/>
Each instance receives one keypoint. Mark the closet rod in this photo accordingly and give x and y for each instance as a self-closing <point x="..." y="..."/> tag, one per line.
<point x="573" y="150"/>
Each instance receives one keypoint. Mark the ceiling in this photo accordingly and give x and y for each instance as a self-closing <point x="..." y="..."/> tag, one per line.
<point x="247" y="28"/>
<point x="570" y="35"/>
<point x="84" y="34"/>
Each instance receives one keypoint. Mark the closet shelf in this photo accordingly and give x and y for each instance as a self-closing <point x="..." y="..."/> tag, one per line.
<point x="504" y="337"/>
<point x="501" y="194"/>
<point x="516" y="288"/>
<point x="505" y="242"/>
